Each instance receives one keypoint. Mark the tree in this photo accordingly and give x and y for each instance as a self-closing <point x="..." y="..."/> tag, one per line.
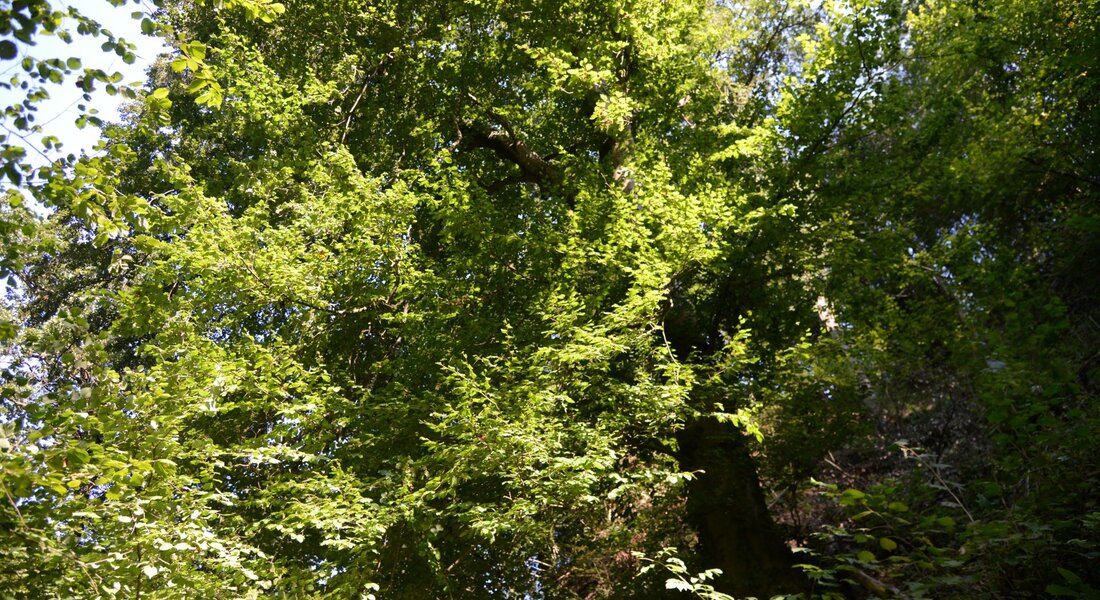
<point x="488" y="299"/>
<point x="949" y="190"/>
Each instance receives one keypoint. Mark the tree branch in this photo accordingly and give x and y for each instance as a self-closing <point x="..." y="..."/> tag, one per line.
<point x="533" y="167"/>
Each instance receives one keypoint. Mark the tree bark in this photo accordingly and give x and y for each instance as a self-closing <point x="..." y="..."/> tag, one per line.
<point x="727" y="509"/>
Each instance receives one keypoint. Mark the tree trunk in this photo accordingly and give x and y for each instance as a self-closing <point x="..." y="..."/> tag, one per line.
<point x="726" y="507"/>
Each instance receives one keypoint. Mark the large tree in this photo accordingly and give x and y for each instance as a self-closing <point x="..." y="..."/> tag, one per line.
<point x="487" y="299"/>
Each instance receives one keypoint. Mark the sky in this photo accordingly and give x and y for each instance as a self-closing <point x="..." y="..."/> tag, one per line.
<point x="58" y="113"/>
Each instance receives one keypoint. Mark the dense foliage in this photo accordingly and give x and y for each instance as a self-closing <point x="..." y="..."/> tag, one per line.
<point x="559" y="299"/>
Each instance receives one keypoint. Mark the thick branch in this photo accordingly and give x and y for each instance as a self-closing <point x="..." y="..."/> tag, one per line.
<point x="622" y="151"/>
<point x="616" y="153"/>
<point x="622" y="143"/>
<point x="533" y="168"/>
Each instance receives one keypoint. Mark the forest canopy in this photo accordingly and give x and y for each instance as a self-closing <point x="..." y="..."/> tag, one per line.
<point x="556" y="299"/>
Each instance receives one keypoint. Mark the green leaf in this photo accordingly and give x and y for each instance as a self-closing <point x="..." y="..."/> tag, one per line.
<point x="1069" y="576"/>
<point x="78" y="457"/>
<point x="196" y="51"/>
<point x="678" y="584"/>
<point x="8" y="50"/>
<point x="197" y="85"/>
